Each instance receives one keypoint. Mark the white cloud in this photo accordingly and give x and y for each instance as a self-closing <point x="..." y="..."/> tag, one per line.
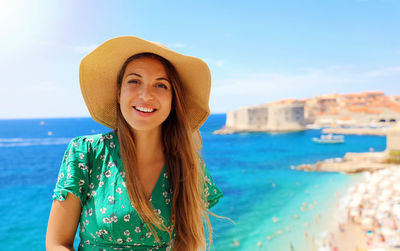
<point x="219" y="63"/>
<point x="48" y="43"/>
<point x="385" y="72"/>
<point x="81" y="49"/>
<point x="215" y="62"/>
<point x="84" y="49"/>
<point x="178" y="45"/>
<point x="257" y="88"/>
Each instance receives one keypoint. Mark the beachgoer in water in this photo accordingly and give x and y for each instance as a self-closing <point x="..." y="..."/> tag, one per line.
<point x="143" y="185"/>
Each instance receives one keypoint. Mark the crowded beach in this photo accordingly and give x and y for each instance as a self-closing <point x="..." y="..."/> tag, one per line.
<point x="367" y="216"/>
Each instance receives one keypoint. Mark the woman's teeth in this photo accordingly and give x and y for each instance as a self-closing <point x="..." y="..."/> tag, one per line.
<point x="144" y="109"/>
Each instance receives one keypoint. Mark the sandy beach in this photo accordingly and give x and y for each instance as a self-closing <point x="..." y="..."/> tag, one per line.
<point x="367" y="216"/>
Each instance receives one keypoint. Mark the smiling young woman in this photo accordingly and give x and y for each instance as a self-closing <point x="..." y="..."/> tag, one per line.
<point x="144" y="185"/>
<point x="145" y="93"/>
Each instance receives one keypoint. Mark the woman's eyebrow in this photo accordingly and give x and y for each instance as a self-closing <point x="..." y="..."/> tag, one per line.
<point x="162" y="78"/>
<point x="134" y="74"/>
<point x="138" y="75"/>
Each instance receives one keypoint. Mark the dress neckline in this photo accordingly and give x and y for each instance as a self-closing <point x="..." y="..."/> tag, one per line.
<point x="157" y="185"/>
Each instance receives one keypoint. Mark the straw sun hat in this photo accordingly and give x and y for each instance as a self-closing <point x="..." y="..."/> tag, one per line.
<point x="99" y="70"/>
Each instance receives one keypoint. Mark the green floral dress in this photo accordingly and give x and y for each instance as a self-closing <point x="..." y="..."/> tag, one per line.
<point x="92" y="170"/>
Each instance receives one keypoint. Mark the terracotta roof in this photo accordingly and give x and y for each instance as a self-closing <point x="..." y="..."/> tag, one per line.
<point x="363" y="109"/>
<point x="373" y="93"/>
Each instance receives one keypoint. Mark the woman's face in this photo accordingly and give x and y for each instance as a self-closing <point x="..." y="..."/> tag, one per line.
<point x="146" y="94"/>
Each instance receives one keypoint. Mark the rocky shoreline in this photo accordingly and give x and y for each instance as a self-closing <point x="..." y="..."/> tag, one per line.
<point x="350" y="163"/>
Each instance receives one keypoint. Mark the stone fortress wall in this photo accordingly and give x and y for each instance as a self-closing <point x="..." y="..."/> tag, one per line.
<point x="278" y="116"/>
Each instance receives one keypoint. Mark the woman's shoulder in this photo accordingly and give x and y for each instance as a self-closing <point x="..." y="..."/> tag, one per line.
<point x="95" y="140"/>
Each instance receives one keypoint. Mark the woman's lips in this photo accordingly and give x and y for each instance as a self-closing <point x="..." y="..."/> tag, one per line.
<point x="144" y="111"/>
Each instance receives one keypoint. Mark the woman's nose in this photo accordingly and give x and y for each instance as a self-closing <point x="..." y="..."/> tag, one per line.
<point x="146" y="92"/>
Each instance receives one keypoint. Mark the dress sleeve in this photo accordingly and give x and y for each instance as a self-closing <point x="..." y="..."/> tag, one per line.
<point x="212" y="192"/>
<point x="73" y="176"/>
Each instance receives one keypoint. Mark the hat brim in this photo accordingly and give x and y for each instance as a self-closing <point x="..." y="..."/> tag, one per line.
<point x="99" y="70"/>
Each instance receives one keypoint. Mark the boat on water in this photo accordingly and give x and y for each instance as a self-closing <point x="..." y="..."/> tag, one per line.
<point x="329" y="138"/>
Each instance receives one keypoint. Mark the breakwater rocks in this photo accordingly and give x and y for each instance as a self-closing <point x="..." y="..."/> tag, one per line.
<point x="350" y="163"/>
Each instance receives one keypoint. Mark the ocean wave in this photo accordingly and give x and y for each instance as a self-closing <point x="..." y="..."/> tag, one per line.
<point x="23" y="142"/>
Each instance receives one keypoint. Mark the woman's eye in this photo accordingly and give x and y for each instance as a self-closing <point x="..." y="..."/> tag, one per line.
<point x="132" y="81"/>
<point x="161" y="85"/>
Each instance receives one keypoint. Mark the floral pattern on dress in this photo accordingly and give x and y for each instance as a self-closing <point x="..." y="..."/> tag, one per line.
<point x="92" y="170"/>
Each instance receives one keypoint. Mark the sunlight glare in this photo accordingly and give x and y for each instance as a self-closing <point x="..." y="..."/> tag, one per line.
<point x="13" y="15"/>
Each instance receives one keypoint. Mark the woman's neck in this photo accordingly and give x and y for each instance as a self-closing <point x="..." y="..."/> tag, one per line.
<point x="149" y="147"/>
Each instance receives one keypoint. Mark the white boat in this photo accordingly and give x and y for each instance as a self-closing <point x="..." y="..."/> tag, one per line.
<point x="329" y="138"/>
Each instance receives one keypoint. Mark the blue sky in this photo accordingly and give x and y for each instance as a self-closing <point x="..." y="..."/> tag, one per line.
<point x="258" y="51"/>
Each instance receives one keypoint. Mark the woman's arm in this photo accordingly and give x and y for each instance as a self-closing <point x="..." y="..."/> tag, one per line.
<point x="63" y="222"/>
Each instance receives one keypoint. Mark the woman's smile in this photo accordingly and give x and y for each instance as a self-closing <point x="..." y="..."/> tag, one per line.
<point x="144" y="111"/>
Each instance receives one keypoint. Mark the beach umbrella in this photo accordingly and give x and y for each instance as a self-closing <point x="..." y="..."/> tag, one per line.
<point x="356" y="200"/>
<point x="396" y="209"/>
<point x="367" y="196"/>
<point x="375" y="178"/>
<point x="385" y="172"/>
<point x="396" y="187"/>
<point x="386" y="194"/>
<point x="371" y="188"/>
<point x="344" y="202"/>
<point x="385" y="183"/>
<point x="396" y="173"/>
<point x="385" y="207"/>
<point x="393" y="179"/>
<point x="389" y="223"/>
<point x="354" y="212"/>
<point x="361" y="188"/>
<point x="374" y="201"/>
<point x="367" y="175"/>
<point x="323" y="234"/>
<point x="366" y="222"/>
<point x="351" y="189"/>
<point x="387" y="232"/>
<point x="380" y="216"/>
<point x="368" y="212"/>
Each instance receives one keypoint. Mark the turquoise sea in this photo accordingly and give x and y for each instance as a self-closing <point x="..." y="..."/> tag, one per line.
<point x="272" y="206"/>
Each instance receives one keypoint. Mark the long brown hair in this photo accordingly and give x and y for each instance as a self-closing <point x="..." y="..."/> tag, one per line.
<point x="184" y="171"/>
